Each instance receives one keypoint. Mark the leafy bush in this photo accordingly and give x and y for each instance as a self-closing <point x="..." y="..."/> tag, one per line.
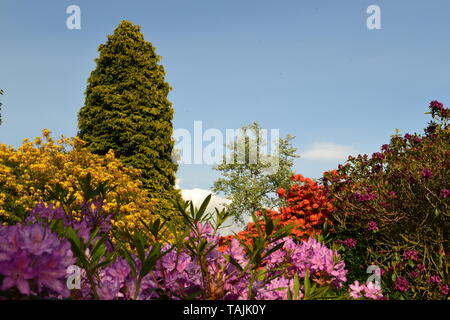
<point x="55" y="171"/>
<point x="398" y="200"/>
<point x="34" y="256"/>
<point x="307" y="211"/>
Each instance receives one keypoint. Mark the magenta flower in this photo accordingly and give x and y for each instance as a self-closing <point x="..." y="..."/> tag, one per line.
<point x="444" y="289"/>
<point x="436" y="106"/>
<point x="410" y="255"/>
<point x="435" y="279"/>
<point x="349" y="243"/>
<point x="377" y="155"/>
<point x="17" y="273"/>
<point x="401" y="284"/>
<point x="414" y="274"/>
<point x="364" y="197"/>
<point x="373" y="290"/>
<point x="372" y="226"/>
<point x="445" y="193"/>
<point x="33" y="254"/>
<point x="427" y="173"/>
<point x="356" y="289"/>
<point x="385" y="148"/>
<point x="392" y="194"/>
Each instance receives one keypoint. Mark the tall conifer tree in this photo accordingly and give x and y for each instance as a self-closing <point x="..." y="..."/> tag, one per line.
<point x="127" y="109"/>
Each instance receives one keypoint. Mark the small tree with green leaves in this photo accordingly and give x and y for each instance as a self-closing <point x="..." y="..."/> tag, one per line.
<point x="251" y="185"/>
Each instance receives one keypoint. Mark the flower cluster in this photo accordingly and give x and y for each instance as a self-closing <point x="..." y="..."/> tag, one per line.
<point x="28" y="172"/>
<point x="370" y="290"/>
<point x="84" y="221"/>
<point x="401" y="284"/>
<point x="372" y="226"/>
<point x="396" y="198"/>
<point x="179" y="275"/>
<point x="410" y="255"/>
<point x="349" y="243"/>
<point x="323" y="265"/>
<point x="34" y="260"/>
<point x="307" y="209"/>
<point x="437" y="108"/>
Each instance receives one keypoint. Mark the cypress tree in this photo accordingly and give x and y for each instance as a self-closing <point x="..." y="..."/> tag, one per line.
<point x="126" y="109"/>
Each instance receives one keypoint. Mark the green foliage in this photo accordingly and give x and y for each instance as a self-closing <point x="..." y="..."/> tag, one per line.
<point x="145" y="259"/>
<point x="97" y="257"/>
<point x="127" y="110"/>
<point x="401" y="193"/>
<point x="252" y="186"/>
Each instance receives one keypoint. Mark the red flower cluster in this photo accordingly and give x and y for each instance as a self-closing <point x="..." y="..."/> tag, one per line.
<point x="308" y="208"/>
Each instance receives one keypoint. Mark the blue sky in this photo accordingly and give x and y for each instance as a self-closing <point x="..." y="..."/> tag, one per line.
<point x="309" y="68"/>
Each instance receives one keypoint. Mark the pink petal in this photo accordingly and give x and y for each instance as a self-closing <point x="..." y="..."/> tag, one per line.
<point x="23" y="286"/>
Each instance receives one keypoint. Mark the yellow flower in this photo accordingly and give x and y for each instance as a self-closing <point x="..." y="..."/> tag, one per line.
<point x="46" y="133"/>
<point x="28" y="172"/>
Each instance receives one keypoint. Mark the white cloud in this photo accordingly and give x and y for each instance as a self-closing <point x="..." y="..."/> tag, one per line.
<point x="328" y="151"/>
<point x="197" y="196"/>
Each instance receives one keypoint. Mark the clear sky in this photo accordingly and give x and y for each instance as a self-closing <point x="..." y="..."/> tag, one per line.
<point x="309" y="68"/>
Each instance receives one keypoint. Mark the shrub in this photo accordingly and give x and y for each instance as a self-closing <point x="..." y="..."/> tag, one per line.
<point x="397" y="199"/>
<point x="29" y="175"/>
<point x="307" y="210"/>
<point x="34" y="259"/>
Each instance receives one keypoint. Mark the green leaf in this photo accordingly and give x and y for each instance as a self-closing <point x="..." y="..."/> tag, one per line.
<point x="73" y="237"/>
<point x="272" y="250"/>
<point x="296" y="286"/>
<point x="289" y="293"/>
<point x="203" y="207"/>
<point x="307" y="285"/>
<point x="130" y="261"/>
<point x="231" y="260"/>
<point x="139" y="243"/>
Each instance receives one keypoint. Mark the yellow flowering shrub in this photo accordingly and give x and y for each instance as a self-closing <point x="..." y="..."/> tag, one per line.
<point x="26" y="174"/>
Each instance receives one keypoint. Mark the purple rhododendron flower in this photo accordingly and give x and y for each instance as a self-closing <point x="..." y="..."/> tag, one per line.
<point x="444" y="289"/>
<point x="364" y="197"/>
<point x="377" y="155"/>
<point x="445" y="193"/>
<point x="349" y="243"/>
<point x="372" y="226"/>
<point x="17" y="272"/>
<point x="371" y="290"/>
<point x="435" y="279"/>
<point x="385" y="148"/>
<point x="410" y="255"/>
<point x="401" y="284"/>
<point x="421" y="268"/>
<point x="392" y="194"/>
<point x="356" y="289"/>
<point x="34" y="260"/>
<point x="427" y="173"/>
<point x="178" y="275"/>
